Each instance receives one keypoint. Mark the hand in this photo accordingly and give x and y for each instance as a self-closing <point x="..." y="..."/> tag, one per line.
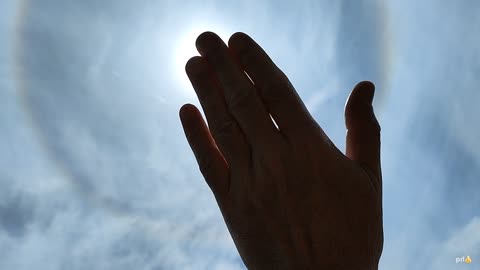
<point x="289" y="197"/>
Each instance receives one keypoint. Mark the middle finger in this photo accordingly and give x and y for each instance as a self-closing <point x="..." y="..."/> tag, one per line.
<point x="240" y="94"/>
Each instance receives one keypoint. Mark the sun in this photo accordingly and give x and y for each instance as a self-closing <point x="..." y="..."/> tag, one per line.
<point x="185" y="49"/>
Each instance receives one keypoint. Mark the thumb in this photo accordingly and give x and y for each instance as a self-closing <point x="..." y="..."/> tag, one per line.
<point x="363" y="130"/>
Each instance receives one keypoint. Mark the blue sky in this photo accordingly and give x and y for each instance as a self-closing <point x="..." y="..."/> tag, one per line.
<point x="95" y="172"/>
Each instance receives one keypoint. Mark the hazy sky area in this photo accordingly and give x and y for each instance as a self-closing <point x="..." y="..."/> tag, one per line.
<point x="95" y="172"/>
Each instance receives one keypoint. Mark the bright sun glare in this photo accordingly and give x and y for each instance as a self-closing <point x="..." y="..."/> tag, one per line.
<point x="185" y="49"/>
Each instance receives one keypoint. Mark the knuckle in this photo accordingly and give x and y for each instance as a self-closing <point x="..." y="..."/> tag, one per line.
<point x="224" y="129"/>
<point x="277" y="90"/>
<point x="206" y="167"/>
<point x="242" y="99"/>
<point x="247" y="56"/>
<point x="375" y="126"/>
<point x="239" y="41"/>
<point x="360" y="117"/>
<point x="192" y="134"/>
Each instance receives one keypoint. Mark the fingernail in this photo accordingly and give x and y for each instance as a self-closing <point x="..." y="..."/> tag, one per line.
<point x="194" y="66"/>
<point x="369" y="88"/>
<point x="208" y="42"/>
<point x="239" y="41"/>
<point x="184" y="115"/>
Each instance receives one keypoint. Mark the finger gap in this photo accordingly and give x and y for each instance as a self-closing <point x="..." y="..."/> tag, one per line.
<point x="275" y="123"/>
<point x="249" y="77"/>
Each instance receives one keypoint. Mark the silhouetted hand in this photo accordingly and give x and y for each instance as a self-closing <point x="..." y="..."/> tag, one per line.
<point x="289" y="197"/>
